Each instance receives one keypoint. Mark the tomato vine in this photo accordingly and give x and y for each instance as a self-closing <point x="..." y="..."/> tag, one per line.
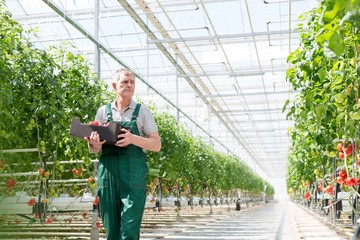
<point x="325" y="70"/>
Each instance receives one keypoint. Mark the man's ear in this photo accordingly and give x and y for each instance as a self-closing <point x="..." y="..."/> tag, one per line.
<point x="114" y="85"/>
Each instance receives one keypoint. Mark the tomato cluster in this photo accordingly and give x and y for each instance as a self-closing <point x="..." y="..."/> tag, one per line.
<point x="43" y="173"/>
<point x="348" y="150"/>
<point x="347" y="181"/>
<point x="77" y="171"/>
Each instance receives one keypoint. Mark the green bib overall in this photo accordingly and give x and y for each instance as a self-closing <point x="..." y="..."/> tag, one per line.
<point x="122" y="185"/>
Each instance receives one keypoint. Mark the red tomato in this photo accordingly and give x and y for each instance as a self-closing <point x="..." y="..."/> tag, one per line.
<point x="342" y="173"/>
<point x="94" y="123"/>
<point x="340" y="180"/>
<point x="348" y="150"/>
<point x="98" y="225"/>
<point x="341" y="155"/>
<point x="96" y="201"/>
<point x="307" y="196"/>
<point x="329" y="189"/>
<point x="350" y="182"/>
<point x="48" y="221"/>
<point x="76" y="171"/>
<point x="340" y="146"/>
<point x="90" y="180"/>
<point x="320" y="187"/>
<point x="31" y="202"/>
<point x="10" y="183"/>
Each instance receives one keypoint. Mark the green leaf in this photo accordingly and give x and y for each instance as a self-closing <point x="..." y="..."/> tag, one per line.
<point x="329" y="15"/>
<point x="355" y="115"/>
<point x="335" y="46"/>
<point x="285" y="105"/>
<point x="340" y="118"/>
<point x="351" y="17"/>
<point x="322" y="73"/>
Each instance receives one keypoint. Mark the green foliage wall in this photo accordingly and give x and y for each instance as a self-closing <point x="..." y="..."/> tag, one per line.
<point x="325" y="69"/>
<point x="187" y="159"/>
<point x="40" y="93"/>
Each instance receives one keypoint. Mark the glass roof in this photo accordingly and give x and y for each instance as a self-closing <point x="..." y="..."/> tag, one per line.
<point x="217" y="65"/>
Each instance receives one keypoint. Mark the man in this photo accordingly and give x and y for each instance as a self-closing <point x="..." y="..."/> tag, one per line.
<point x="123" y="169"/>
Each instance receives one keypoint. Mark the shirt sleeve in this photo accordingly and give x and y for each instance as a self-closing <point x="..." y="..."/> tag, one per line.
<point x="101" y="116"/>
<point x="149" y="125"/>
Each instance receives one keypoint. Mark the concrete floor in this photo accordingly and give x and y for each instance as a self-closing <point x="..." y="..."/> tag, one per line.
<point x="278" y="220"/>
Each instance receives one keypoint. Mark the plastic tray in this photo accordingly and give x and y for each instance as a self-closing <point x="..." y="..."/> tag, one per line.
<point x="108" y="133"/>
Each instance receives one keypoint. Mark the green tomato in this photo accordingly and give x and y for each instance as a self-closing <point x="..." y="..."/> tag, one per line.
<point x="42" y="149"/>
<point x="354" y="115"/>
<point x="339" y="98"/>
<point x="331" y="154"/>
<point x="340" y="107"/>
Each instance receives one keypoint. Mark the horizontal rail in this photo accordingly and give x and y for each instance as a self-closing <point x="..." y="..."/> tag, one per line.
<point x="19" y="150"/>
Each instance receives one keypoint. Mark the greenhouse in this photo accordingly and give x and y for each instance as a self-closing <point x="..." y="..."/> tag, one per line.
<point x="213" y="113"/>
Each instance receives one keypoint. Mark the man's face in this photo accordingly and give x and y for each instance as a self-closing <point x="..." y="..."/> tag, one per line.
<point x="125" y="85"/>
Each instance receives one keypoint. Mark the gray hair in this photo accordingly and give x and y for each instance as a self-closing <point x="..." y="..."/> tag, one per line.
<point x="120" y="71"/>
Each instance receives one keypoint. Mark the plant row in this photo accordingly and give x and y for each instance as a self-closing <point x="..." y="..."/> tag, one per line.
<point x="326" y="112"/>
<point x="42" y="90"/>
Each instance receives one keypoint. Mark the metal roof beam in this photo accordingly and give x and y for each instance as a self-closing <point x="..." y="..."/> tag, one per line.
<point x="219" y="37"/>
<point x="249" y="94"/>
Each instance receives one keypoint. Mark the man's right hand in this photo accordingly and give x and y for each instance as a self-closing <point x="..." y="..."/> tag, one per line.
<point x="94" y="142"/>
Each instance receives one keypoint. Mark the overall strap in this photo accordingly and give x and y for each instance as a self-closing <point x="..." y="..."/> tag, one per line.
<point x="136" y="112"/>
<point x="108" y="112"/>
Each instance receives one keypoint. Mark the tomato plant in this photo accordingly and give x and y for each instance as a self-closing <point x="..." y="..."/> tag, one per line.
<point x="42" y="90"/>
<point x="326" y="113"/>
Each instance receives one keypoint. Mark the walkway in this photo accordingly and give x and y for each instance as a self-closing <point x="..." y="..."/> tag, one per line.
<point x="277" y="220"/>
<point x="271" y="221"/>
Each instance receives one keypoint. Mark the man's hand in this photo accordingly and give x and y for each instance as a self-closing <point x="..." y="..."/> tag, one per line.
<point x="125" y="138"/>
<point x="152" y="142"/>
<point x="94" y="142"/>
